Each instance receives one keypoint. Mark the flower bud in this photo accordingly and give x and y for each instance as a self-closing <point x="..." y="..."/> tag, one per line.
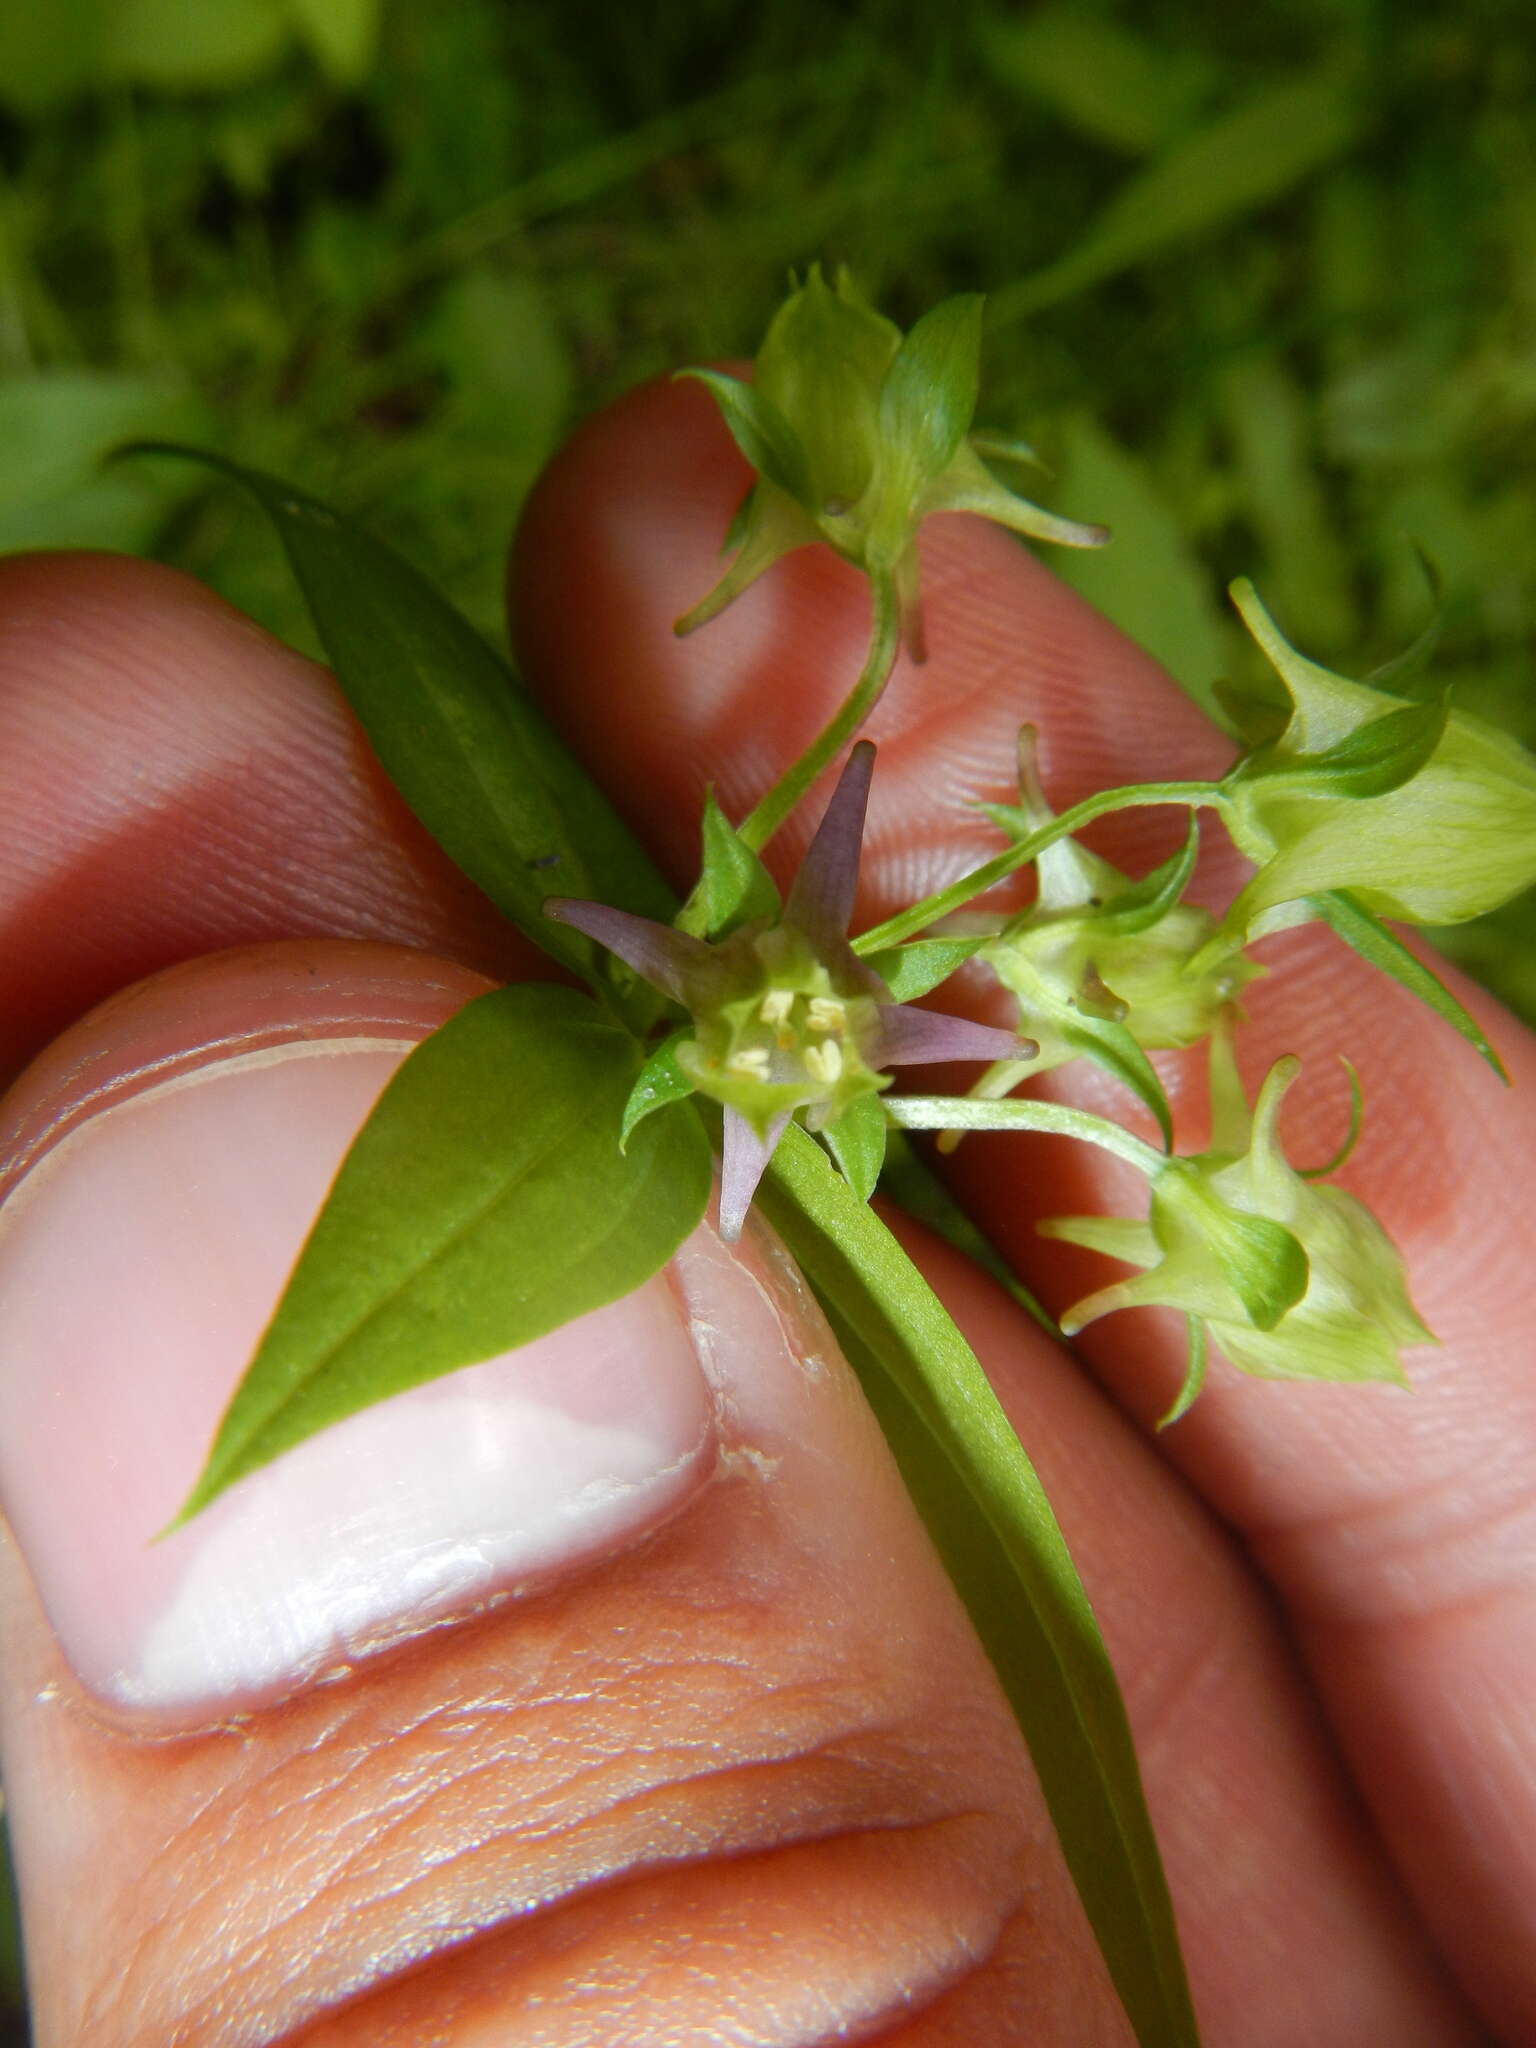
<point x="1420" y="813"/>
<point x="1103" y="966"/>
<point x="857" y="433"/>
<point x="1292" y="1280"/>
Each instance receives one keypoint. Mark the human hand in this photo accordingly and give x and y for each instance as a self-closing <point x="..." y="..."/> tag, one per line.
<point x="734" y="1767"/>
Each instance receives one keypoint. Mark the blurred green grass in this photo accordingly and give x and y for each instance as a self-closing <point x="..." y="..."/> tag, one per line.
<point x="1263" y="281"/>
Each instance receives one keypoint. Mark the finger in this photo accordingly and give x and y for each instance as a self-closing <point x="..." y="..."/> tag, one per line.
<point x="1400" y="1994"/>
<point x="148" y="822"/>
<point x="604" y="1691"/>
<point x="1398" y="1530"/>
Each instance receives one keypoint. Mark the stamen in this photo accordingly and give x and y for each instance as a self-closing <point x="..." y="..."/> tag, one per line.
<point x="826" y="1013"/>
<point x="824" y="1062"/>
<point x="751" y="1063"/>
<point x="776" y="1006"/>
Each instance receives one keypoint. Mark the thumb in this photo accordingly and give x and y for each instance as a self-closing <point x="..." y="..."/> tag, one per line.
<point x="604" y="1691"/>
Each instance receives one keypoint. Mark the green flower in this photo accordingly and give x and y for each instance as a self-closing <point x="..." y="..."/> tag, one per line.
<point x="1102" y="966"/>
<point x="1420" y="813"/>
<point x="858" y="433"/>
<point x="1292" y="1280"/>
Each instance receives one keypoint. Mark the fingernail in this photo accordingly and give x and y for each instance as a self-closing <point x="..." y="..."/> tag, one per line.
<point x="139" y="1262"/>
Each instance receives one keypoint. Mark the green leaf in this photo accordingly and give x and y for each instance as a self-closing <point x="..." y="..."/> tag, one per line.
<point x="1263" y="1262"/>
<point x="733" y="887"/>
<point x="1113" y="1047"/>
<point x="856" y="1140"/>
<point x="761" y="432"/>
<point x="1101" y="77"/>
<point x="1374" y="759"/>
<point x="928" y="396"/>
<point x="1150" y="581"/>
<point x="907" y="1180"/>
<point x="659" y="1082"/>
<point x="911" y="971"/>
<point x="56" y="425"/>
<point x="1236" y="163"/>
<point x="1195" y="1359"/>
<point x="1148" y="901"/>
<point x="994" y="1528"/>
<point x="484" y="1203"/>
<point x="1376" y="942"/>
<point x="458" y="737"/>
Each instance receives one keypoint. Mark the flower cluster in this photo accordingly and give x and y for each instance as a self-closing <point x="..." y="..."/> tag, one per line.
<point x="1351" y="803"/>
<point x="1101" y="966"/>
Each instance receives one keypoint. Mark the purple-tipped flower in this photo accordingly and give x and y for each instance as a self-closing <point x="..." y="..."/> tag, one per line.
<point x="787" y="1019"/>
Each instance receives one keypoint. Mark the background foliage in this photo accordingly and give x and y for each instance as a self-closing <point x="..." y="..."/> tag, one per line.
<point x="1263" y="281"/>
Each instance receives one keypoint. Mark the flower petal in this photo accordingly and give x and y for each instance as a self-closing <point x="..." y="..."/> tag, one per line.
<point x="744" y="1158"/>
<point x="821" y="901"/>
<point x="660" y="955"/>
<point x="914" y="1038"/>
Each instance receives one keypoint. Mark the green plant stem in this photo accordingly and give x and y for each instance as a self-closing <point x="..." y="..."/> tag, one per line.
<point x="970" y="1113"/>
<point x="769" y="813"/>
<point x="907" y="923"/>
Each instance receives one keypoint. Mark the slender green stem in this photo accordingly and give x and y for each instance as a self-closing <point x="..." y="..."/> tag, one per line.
<point x="759" y="826"/>
<point x="908" y="922"/>
<point x="970" y="1113"/>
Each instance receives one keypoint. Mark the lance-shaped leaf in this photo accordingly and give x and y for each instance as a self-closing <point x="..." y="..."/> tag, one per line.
<point x="484" y="1203"/>
<point x="456" y="734"/>
<point x="995" y="1530"/>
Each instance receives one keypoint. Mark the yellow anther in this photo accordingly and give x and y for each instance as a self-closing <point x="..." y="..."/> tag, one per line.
<point x="751" y="1063"/>
<point x="826" y="1013"/>
<point x="824" y="1062"/>
<point x="776" y="1006"/>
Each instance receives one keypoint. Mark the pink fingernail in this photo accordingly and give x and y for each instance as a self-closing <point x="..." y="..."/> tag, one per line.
<point x="139" y="1262"/>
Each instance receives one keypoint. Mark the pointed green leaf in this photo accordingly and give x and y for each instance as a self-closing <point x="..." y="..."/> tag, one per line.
<point x="1264" y="1264"/>
<point x="733" y="887"/>
<point x="760" y="431"/>
<point x="659" y="1082"/>
<point x="1194" y="1372"/>
<point x="856" y="1141"/>
<point x="1113" y="1047"/>
<point x="484" y="1203"/>
<point x="458" y="737"/>
<point x="911" y="971"/>
<point x="1148" y="901"/>
<point x="994" y="1528"/>
<point x="1374" y="759"/>
<point x="928" y="397"/>
<point x="1238" y="161"/>
<point x="1362" y="930"/>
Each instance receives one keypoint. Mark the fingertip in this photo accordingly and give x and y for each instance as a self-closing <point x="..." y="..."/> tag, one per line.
<point x="174" y="780"/>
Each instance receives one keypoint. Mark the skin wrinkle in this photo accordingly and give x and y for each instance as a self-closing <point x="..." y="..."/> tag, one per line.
<point x="629" y="1903"/>
<point x="426" y="1945"/>
<point x="303" y="1804"/>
